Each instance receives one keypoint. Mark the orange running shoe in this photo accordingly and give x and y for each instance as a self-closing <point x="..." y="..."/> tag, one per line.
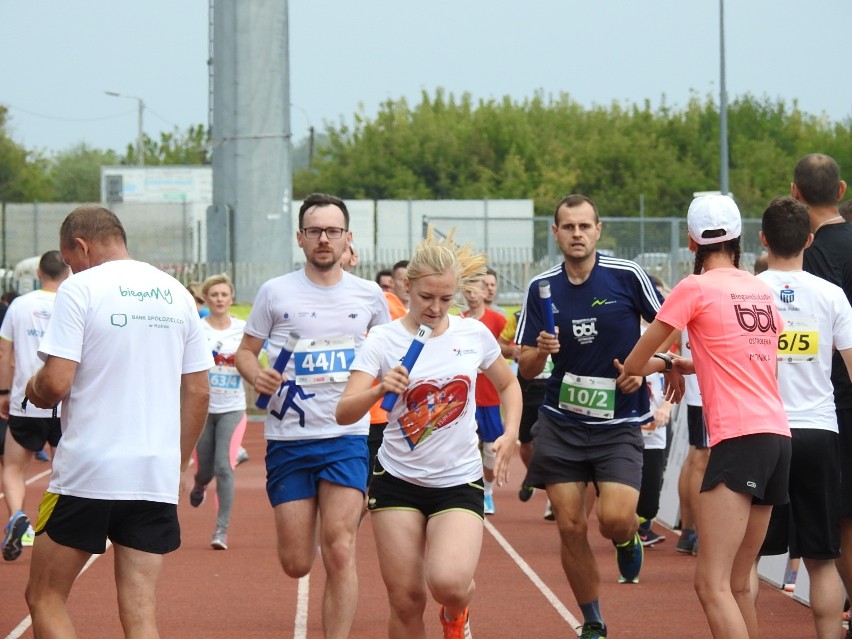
<point x="458" y="628"/>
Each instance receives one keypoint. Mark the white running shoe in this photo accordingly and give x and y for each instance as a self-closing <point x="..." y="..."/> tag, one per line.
<point x="489" y="505"/>
<point x="29" y="537"/>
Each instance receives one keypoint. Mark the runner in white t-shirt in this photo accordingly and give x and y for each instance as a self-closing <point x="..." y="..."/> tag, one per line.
<point x="655" y="438"/>
<point x="29" y="430"/>
<point x="314" y="466"/>
<point x="218" y="447"/>
<point x="426" y="495"/>
<point x="126" y="354"/>
<point x="697" y="456"/>
<point x="817" y="321"/>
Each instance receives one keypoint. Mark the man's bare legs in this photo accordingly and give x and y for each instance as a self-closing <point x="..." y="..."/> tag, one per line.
<point x="689" y="489"/>
<point x="16" y="460"/>
<point x="137" y="574"/>
<point x="826" y="597"/>
<point x="54" y="568"/>
<point x="339" y="509"/>
<point x="617" y="520"/>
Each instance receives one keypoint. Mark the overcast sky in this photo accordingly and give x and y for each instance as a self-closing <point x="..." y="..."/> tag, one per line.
<point x="57" y="57"/>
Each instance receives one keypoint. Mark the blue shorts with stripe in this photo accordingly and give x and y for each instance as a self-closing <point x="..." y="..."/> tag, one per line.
<point x="295" y="468"/>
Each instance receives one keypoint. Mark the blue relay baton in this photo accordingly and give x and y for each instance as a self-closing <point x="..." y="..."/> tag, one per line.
<point x="280" y="365"/>
<point x="546" y="306"/>
<point x="411" y="356"/>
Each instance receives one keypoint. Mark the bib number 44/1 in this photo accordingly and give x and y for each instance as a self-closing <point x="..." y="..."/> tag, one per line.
<point x="323" y="361"/>
<point x="590" y="396"/>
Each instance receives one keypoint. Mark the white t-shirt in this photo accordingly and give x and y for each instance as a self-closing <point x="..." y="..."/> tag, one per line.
<point x="817" y="319"/>
<point x="133" y="330"/>
<point x="691" y="393"/>
<point x="431" y="439"/>
<point x="332" y="322"/>
<point x="227" y="392"/>
<point x="24" y="326"/>
<point x="654" y="437"/>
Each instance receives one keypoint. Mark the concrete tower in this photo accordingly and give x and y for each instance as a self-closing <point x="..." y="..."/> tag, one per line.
<point x="249" y="223"/>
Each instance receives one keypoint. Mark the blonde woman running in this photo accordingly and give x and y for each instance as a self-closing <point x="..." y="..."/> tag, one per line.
<point x="426" y="495"/>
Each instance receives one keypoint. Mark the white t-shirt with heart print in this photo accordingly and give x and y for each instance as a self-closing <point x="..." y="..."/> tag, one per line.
<point x="430" y="439"/>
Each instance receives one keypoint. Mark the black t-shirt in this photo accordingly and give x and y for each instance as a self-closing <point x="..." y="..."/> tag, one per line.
<point x="830" y="257"/>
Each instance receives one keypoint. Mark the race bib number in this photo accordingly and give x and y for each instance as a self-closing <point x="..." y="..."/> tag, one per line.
<point x="224" y="380"/>
<point x="799" y="342"/>
<point x="547" y="370"/>
<point x="591" y="396"/>
<point x="323" y="361"/>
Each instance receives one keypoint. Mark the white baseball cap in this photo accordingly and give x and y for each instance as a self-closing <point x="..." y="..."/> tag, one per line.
<point x="713" y="213"/>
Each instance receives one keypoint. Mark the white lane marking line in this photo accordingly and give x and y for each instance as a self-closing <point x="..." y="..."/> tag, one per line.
<point x="533" y="577"/>
<point x="31" y="480"/>
<point x="300" y="627"/>
<point x="22" y="627"/>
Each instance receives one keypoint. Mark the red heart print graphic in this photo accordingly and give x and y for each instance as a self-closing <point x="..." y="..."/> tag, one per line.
<point x="431" y="405"/>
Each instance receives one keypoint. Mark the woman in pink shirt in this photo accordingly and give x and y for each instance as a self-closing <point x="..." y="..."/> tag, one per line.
<point x="733" y="327"/>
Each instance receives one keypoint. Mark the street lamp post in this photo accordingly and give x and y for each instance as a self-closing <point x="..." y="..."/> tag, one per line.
<point x="140" y="133"/>
<point x="310" y="135"/>
<point x="723" y="107"/>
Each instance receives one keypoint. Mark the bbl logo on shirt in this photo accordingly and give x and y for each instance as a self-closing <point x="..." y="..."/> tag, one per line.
<point x="755" y="317"/>
<point x="584" y="330"/>
<point x="788" y="295"/>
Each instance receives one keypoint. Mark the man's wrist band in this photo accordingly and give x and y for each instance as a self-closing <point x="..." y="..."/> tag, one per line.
<point x="667" y="359"/>
<point x="4" y="391"/>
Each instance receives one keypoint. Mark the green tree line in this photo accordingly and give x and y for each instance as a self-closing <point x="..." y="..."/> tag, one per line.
<point x="74" y="174"/>
<point x="544" y="147"/>
<point x="449" y="147"/>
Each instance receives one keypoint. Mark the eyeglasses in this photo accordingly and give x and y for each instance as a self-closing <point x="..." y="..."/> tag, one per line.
<point x="331" y="232"/>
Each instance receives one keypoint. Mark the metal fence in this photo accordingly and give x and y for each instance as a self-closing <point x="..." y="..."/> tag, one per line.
<point x="161" y="232"/>
<point x="658" y="245"/>
<point x="167" y="235"/>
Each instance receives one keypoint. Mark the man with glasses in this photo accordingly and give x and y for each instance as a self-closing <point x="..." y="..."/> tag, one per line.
<point x="314" y="466"/>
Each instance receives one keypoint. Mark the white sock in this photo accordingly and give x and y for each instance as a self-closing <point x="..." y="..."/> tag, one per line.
<point x="489" y="487"/>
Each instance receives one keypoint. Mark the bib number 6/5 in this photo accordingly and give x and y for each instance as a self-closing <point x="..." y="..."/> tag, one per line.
<point x="799" y="342"/>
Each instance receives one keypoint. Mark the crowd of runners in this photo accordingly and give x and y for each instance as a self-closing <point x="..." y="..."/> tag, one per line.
<point x="385" y="402"/>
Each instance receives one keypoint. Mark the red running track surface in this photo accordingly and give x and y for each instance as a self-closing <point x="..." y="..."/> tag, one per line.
<point x="521" y="589"/>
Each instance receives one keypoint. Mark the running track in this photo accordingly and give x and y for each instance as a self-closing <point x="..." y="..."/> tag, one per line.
<point x="521" y="589"/>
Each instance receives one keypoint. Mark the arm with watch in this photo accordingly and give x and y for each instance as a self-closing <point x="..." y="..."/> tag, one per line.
<point x="645" y="359"/>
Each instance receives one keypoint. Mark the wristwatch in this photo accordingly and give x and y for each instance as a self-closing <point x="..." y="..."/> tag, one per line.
<point x="667" y="359"/>
<point x="4" y="391"/>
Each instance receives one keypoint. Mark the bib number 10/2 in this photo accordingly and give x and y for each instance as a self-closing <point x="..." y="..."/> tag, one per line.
<point x="591" y="396"/>
<point x="587" y="397"/>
